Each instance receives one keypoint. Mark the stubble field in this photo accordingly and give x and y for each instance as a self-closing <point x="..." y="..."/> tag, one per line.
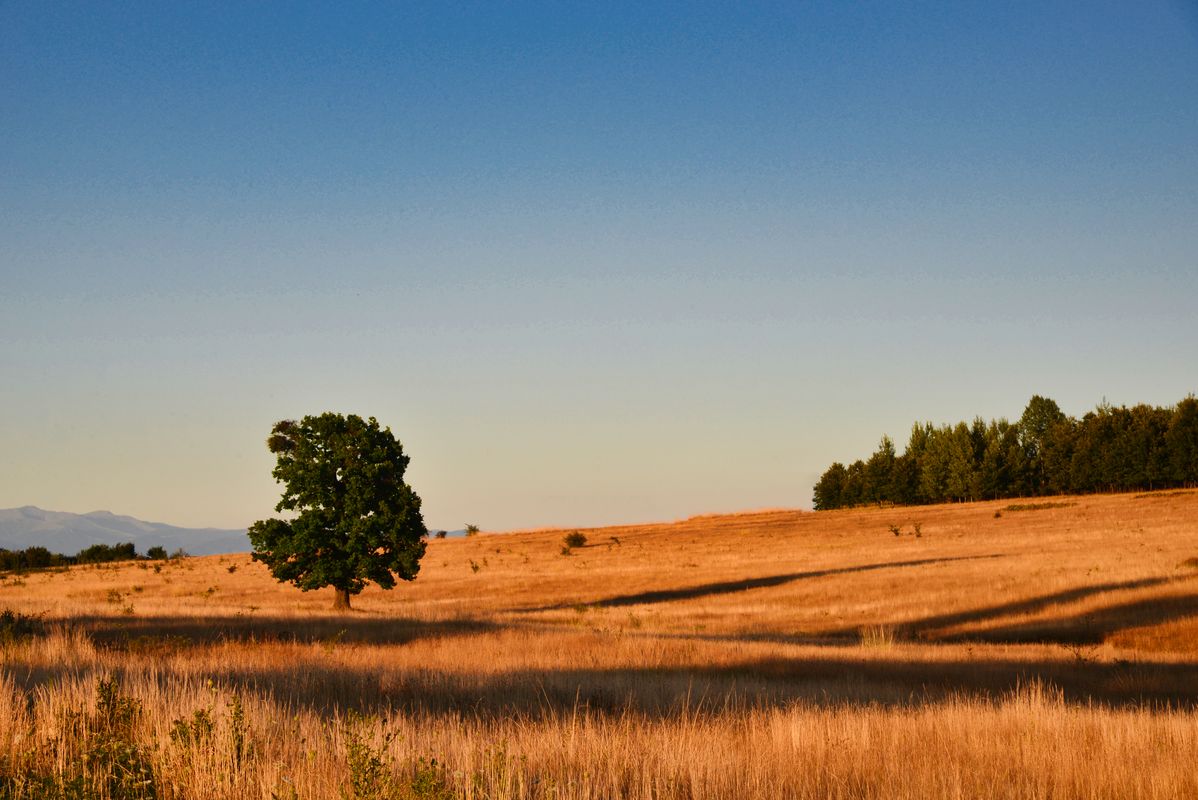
<point x="1042" y="648"/>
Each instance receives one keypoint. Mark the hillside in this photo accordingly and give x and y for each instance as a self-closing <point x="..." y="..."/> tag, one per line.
<point x="1107" y="570"/>
<point x="777" y="653"/>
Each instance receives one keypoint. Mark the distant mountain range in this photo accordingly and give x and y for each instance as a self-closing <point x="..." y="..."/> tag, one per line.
<point x="66" y="533"/>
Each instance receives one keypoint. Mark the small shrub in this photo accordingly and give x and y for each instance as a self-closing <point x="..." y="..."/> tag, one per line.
<point x="113" y="759"/>
<point x="1036" y="506"/>
<point x="14" y="625"/>
<point x="238" y="733"/>
<point x="441" y="534"/>
<point x="896" y="530"/>
<point x="231" y="568"/>
<point x="370" y="772"/>
<point x="471" y="530"/>
<point x="574" y="539"/>
<point x="474" y="566"/>
<point x="428" y="781"/>
<point x="1189" y="563"/>
<point x="998" y="514"/>
<point x="156" y="553"/>
<point x="918" y="528"/>
<point x="195" y="731"/>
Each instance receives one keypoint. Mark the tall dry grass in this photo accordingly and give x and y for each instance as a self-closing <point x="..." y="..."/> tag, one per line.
<point x="1044" y="653"/>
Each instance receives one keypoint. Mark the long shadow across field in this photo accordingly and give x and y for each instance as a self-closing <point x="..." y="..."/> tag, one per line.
<point x="1090" y="627"/>
<point x="329" y="688"/>
<point x="926" y="627"/>
<point x="151" y="633"/>
<point x="729" y="587"/>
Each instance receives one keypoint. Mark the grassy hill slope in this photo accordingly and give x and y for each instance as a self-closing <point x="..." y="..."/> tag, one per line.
<point x="775" y="653"/>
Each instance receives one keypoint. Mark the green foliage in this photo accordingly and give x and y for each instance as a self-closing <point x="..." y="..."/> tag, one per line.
<point x="829" y="490"/>
<point x="194" y="732"/>
<point x="1045" y="452"/>
<point x="15" y="625"/>
<point x="39" y="558"/>
<point x="103" y="553"/>
<point x="1035" y="506"/>
<point x="574" y="539"/>
<point x="112" y="758"/>
<point x="370" y="775"/>
<point x="239" y="742"/>
<point x="356" y="520"/>
<point x="427" y="782"/>
<point x="156" y="553"/>
<point x="471" y="530"/>
<point x="373" y="774"/>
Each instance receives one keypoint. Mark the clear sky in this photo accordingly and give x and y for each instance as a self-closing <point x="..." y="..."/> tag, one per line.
<point x="591" y="262"/>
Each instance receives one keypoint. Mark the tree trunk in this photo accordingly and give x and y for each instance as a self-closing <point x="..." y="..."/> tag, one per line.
<point x="341" y="599"/>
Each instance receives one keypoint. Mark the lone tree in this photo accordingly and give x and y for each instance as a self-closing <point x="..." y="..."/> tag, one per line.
<point x="356" y="520"/>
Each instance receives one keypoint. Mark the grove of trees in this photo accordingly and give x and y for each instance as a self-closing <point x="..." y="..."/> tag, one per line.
<point x="37" y="557"/>
<point x="1045" y="452"/>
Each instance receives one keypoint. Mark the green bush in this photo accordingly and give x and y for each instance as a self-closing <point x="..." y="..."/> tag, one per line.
<point x="15" y="625"/>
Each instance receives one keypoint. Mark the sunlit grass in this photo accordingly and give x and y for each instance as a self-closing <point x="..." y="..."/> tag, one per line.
<point x="757" y="655"/>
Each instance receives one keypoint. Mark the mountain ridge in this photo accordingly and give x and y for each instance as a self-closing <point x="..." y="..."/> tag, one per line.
<point x="67" y="532"/>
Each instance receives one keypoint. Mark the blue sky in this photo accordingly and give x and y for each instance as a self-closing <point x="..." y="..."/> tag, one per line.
<point x="591" y="262"/>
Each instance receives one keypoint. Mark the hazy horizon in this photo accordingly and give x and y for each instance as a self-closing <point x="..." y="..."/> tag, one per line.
<point x="590" y="265"/>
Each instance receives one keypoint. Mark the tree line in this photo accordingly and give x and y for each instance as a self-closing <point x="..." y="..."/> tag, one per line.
<point x="37" y="557"/>
<point x="1110" y="449"/>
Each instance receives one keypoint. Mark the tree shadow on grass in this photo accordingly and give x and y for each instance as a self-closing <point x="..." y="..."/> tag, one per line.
<point x="328" y="688"/>
<point x="729" y="587"/>
<point x="1090" y="627"/>
<point x="144" y="631"/>
<point x="927" y="627"/>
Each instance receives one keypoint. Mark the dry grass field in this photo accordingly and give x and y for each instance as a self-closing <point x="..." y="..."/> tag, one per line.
<point x="1042" y="649"/>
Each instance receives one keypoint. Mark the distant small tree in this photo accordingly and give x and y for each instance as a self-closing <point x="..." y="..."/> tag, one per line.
<point x="357" y="520"/>
<point x="471" y="530"/>
<point x="440" y="534"/>
<point x="156" y="553"/>
<point x="100" y="553"/>
<point x="574" y="539"/>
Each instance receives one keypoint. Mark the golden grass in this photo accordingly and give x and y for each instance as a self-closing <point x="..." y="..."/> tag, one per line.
<point x="771" y="654"/>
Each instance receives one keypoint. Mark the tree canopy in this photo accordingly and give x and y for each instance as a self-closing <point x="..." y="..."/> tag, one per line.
<point x="1045" y="452"/>
<point x="356" y="520"/>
